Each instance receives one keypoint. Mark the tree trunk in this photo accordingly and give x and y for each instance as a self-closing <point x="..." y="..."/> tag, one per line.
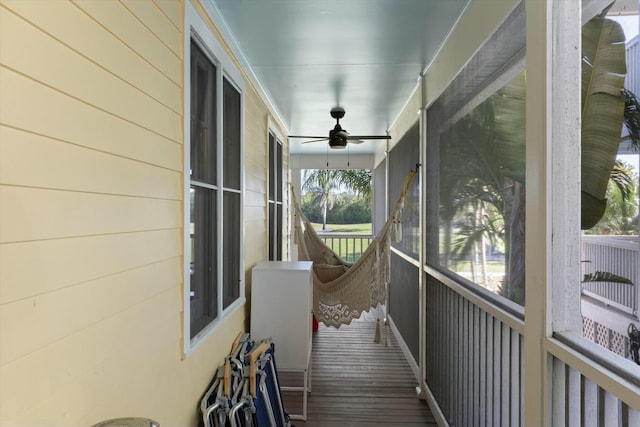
<point x="324" y="216"/>
<point x="483" y="248"/>
<point x="447" y="244"/>
<point x="515" y="279"/>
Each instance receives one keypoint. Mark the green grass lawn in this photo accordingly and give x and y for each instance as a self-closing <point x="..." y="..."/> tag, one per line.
<point x="345" y="228"/>
<point x="492" y="266"/>
<point x="348" y="248"/>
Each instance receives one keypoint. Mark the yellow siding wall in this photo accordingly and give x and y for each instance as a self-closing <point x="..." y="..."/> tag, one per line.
<point x="255" y="205"/>
<point x="91" y="149"/>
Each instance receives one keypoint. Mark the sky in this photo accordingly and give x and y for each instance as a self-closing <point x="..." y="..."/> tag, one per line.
<point x="630" y="24"/>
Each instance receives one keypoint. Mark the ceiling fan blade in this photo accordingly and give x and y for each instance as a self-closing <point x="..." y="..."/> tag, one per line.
<point x="355" y="141"/>
<point x="315" y="140"/>
<point x="307" y="136"/>
<point x="350" y="137"/>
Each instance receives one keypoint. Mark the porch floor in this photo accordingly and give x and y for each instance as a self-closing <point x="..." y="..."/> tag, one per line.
<point x="357" y="383"/>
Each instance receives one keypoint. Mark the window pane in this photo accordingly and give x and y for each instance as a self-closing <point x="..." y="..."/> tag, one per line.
<point x="231" y="248"/>
<point x="278" y="173"/>
<point x="271" y="167"/>
<point x="231" y="136"/>
<point x="272" y="211"/>
<point x="278" y="229"/>
<point x="203" y="267"/>
<point x="203" y="117"/>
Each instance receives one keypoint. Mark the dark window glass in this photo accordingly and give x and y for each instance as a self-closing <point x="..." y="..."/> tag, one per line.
<point x="231" y="247"/>
<point x="231" y="136"/>
<point x="272" y="231"/>
<point x="274" y="197"/>
<point x="203" y="117"/>
<point x="278" y="255"/>
<point x="278" y="168"/>
<point x="203" y="266"/>
<point x="271" y="167"/>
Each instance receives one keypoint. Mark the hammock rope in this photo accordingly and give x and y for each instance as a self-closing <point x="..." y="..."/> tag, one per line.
<point x="342" y="291"/>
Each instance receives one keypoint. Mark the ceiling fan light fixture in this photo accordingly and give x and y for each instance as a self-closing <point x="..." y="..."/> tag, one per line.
<point x="338" y="143"/>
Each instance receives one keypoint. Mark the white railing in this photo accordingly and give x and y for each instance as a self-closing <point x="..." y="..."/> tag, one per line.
<point x="474" y="365"/>
<point x="617" y="255"/>
<point x="474" y="354"/>
<point x="349" y="246"/>
<point x="579" y="401"/>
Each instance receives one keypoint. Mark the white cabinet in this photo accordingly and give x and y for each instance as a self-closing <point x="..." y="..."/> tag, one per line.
<point x="281" y="304"/>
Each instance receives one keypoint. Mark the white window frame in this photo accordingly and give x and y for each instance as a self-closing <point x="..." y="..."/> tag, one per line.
<point x="198" y="30"/>
<point x="271" y="129"/>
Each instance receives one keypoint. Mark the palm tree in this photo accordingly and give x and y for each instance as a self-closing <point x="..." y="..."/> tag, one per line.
<point x="322" y="183"/>
<point x="621" y="215"/>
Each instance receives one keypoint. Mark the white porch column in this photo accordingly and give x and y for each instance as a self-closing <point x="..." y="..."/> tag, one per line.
<point x="553" y="191"/>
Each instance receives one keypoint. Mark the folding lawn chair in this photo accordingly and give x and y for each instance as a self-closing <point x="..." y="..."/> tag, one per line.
<point x="227" y="387"/>
<point x="262" y="398"/>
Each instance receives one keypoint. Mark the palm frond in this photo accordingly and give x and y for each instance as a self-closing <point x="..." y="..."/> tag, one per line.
<point x="603" y="276"/>
<point x="603" y="73"/>
<point x="621" y="176"/>
<point x="509" y="110"/>
<point x="632" y="118"/>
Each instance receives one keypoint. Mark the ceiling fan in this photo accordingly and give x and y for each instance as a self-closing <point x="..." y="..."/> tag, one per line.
<point x="339" y="137"/>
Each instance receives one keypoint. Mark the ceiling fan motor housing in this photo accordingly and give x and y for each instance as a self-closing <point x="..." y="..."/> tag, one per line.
<point x="337" y="137"/>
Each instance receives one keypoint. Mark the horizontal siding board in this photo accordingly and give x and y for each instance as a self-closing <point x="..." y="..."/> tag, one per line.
<point x="172" y="9"/>
<point x="255" y="248"/>
<point x="62" y="117"/>
<point x="26" y="325"/>
<point x="71" y="26"/>
<point x="122" y="24"/>
<point x="57" y="66"/>
<point x="256" y="166"/>
<point x="37" y="267"/>
<point x="92" y="356"/>
<point x="26" y="160"/>
<point x="254" y="182"/>
<point x="251" y="198"/>
<point x="253" y="215"/>
<point x="153" y="18"/>
<point x="33" y="214"/>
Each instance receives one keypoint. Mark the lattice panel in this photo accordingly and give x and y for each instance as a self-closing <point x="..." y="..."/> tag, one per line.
<point x="588" y="328"/>
<point x="619" y="344"/>
<point x="602" y="335"/>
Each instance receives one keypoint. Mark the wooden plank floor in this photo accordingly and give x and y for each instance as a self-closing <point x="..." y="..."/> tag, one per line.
<point x="357" y="383"/>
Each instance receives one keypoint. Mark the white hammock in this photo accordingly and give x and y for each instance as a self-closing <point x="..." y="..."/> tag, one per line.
<point x="342" y="291"/>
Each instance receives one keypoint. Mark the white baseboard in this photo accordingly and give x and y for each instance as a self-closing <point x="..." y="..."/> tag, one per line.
<point x="405" y="349"/>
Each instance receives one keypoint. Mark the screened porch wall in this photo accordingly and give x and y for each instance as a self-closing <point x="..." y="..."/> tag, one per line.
<point x="474" y="367"/>
<point x="404" y="297"/>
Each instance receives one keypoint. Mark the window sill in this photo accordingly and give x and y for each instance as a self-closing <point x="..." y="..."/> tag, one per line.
<point x="192" y="345"/>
